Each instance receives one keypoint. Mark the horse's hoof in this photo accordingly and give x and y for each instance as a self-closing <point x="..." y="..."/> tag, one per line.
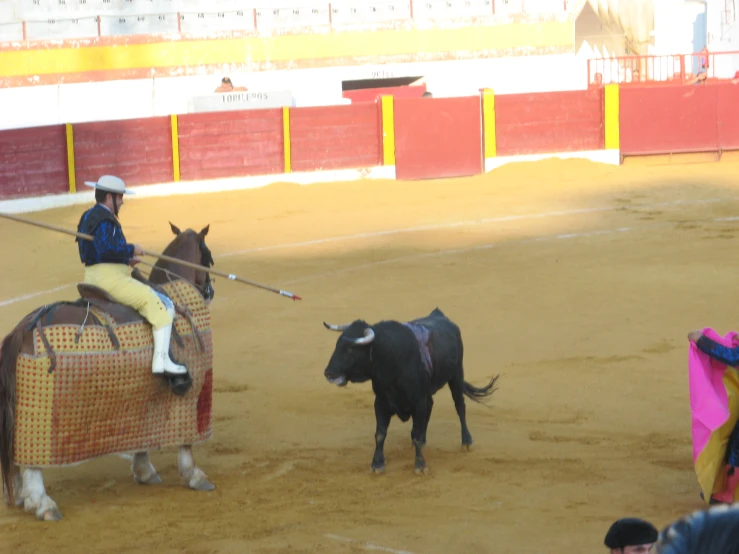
<point x="379" y="470"/>
<point x="467" y="447"/>
<point x="51" y="515"/>
<point x="202" y="485"/>
<point x="422" y="470"/>
<point x="153" y="480"/>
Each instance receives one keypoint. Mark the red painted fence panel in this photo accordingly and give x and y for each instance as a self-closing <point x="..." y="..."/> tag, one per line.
<point x="542" y="123"/>
<point x="438" y="137"/>
<point x="139" y="151"/>
<point x="662" y="120"/>
<point x="335" y="137"/>
<point x="231" y="144"/>
<point x="33" y="162"/>
<point x="727" y="109"/>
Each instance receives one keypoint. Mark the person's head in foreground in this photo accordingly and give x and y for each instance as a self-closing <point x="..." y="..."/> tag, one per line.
<point x="631" y="536"/>
<point x="712" y="531"/>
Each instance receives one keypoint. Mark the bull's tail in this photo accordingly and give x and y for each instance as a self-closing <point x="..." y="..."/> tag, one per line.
<point x="9" y="351"/>
<point x="478" y="394"/>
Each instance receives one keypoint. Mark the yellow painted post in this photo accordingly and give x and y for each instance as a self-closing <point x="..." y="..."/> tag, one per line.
<point x="388" y="130"/>
<point x="611" y="128"/>
<point x="490" y="147"/>
<point x="286" y="138"/>
<point x="70" y="159"/>
<point x="175" y="147"/>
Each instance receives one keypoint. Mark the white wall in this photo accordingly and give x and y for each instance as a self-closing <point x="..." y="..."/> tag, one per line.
<point x="75" y="103"/>
<point x="680" y="27"/>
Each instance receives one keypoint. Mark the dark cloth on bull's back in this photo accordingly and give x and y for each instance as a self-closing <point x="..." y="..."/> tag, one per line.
<point x="422" y="336"/>
<point x="730" y="357"/>
<point x="109" y="245"/>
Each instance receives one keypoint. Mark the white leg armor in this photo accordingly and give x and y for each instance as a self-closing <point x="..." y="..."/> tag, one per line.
<point x="162" y="363"/>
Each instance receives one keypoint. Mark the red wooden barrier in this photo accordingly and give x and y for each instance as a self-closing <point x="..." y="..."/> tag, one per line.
<point x="727" y="111"/>
<point x="335" y="137"/>
<point x="669" y="120"/>
<point x="139" y="151"/>
<point x="438" y="137"/>
<point x="231" y="144"/>
<point x="33" y="162"/>
<point x="541" y="123"/>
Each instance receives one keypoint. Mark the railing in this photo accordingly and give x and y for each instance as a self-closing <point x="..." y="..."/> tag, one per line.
<point x="78" y="19"/>
<point x="665" y="69"/>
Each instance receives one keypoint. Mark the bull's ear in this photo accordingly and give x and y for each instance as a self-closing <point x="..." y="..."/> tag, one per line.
<point x="175" y="229"/>
<point x="204" y="231"/>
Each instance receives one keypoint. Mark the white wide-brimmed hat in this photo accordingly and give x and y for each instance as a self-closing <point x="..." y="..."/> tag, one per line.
<point x="109" y="183"/>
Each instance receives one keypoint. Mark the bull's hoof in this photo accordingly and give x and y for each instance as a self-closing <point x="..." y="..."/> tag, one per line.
<point x="423" y="470"/>
<point x="51" y="515"/>
<point x="378" y="469"/>
<point x="467" y="447"/>
<point x="180" y="384"/>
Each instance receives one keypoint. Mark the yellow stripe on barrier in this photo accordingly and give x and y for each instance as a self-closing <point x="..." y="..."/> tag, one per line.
<point x="611" y="127"/>
<point x="70" y="159"/>
<point x="175" y="148"/>
<point x="488" y="123"/>
<point x="388" y="130"/>
<point x="286" y="138"/>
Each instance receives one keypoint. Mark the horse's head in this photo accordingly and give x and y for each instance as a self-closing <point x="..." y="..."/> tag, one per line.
<point x="189" y="246"/>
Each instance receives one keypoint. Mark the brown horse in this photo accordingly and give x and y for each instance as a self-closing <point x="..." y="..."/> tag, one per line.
<point x="76" y="382"/>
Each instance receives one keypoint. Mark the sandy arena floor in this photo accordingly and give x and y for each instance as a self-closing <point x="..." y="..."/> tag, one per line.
<point x="576" y="282"/>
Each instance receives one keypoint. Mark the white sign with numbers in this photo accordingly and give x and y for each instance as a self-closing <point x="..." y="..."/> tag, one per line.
<point x="230" y="101"/>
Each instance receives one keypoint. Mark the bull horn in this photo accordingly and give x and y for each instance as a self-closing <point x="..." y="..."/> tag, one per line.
<point x="369" y="336"/>
<point x="335" y="327"/>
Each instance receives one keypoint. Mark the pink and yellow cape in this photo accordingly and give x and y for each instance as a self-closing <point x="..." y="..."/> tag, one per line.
<point x="714" y="407"/>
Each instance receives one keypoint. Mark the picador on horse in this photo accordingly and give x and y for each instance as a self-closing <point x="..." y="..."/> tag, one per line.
<point x="108" y="260"/>
<point x="76" y="376"/>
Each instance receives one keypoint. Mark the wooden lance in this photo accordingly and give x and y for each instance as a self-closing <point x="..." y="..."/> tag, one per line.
<point x="229" y="276"/>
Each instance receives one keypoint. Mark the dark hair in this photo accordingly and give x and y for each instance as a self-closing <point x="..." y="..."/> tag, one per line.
<point x="715" y="530"/>
<point x="100" y="195"/>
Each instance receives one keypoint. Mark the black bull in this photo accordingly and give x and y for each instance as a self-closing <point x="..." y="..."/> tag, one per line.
<point x="407" y="364"/>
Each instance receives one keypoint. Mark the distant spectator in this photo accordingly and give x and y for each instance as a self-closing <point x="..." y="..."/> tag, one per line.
<point x="636" y="76"/>
<point x="228" y="86"/>
<point x="427" y="94"/>
<point x="597" y="80"/>
<point x="712" y="531"/>
<point x="631" y="536"/>
<point x="703" y="69"/>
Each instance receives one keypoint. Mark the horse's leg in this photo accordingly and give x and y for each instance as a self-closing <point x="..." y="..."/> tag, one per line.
<point x="18" y="486"/>
<point x="192" y="475"/>
<point x="143" y="472"/>
<point x="35" y="498"/>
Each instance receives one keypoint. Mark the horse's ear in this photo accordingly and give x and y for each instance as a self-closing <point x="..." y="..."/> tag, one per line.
<point x="204" y="231"/>
<point x="175" y="229"/>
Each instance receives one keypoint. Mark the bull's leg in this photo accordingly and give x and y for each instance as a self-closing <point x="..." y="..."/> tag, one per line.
<point x="383" y="413"/>
<point x="428" y="418"/>
<point x="456" y="385"/>
<point x="18" y="486"/>
<point x="143" y="472"/>
<point x="191" y="474"/>
<point x="35" y="498"/>
<point x="418" y="432"/>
